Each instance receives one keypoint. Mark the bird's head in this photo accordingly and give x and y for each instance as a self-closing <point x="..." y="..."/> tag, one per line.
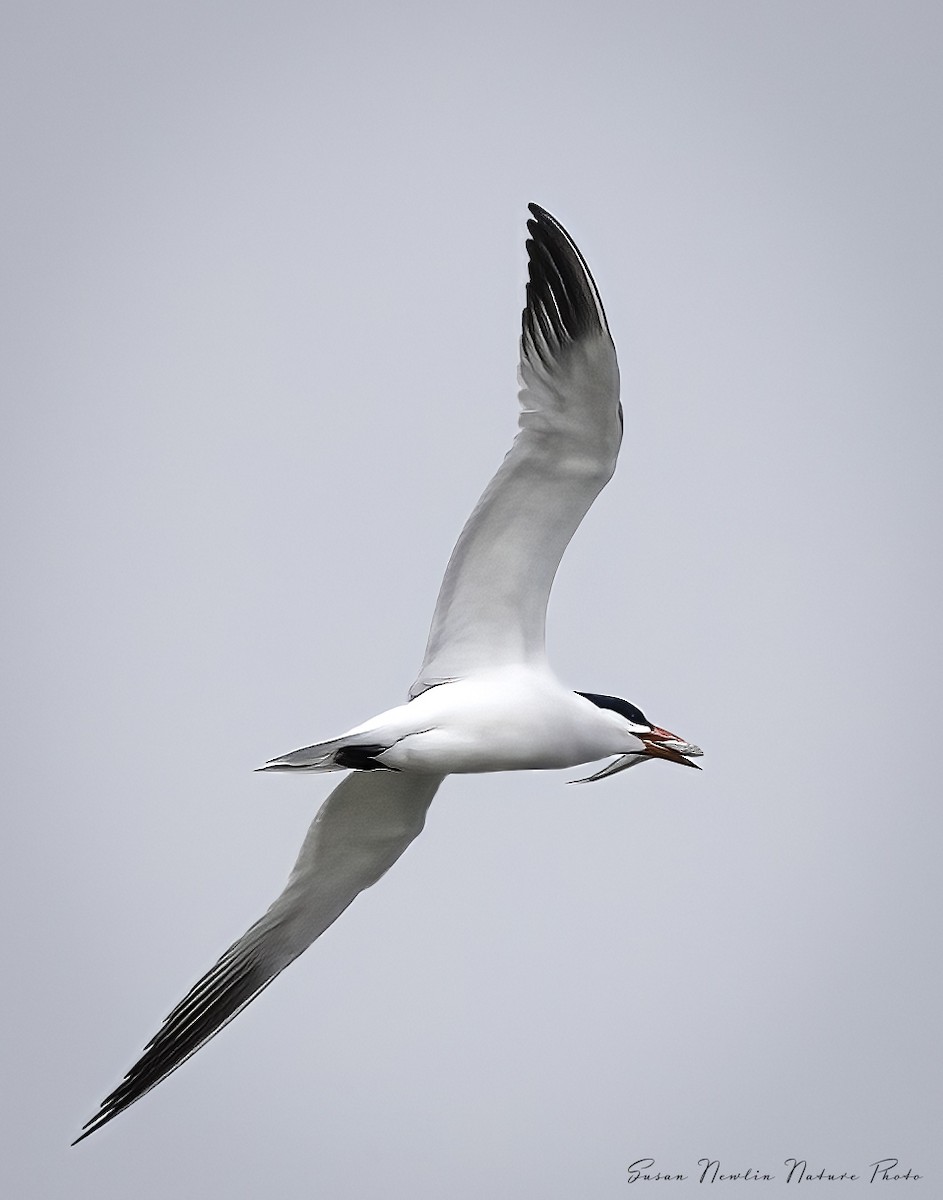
<point x="658" y="742"/>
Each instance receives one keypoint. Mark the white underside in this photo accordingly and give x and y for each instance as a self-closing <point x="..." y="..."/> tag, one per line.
<point x="514" y="718"/>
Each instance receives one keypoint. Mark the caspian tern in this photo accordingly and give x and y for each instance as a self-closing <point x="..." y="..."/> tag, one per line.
<point x="485" y="698"/>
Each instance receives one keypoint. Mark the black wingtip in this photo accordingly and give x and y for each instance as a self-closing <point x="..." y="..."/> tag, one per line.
<point x="563" y="303"/>
<point x="222" y="993"/>
<point x="90" y="1126"/>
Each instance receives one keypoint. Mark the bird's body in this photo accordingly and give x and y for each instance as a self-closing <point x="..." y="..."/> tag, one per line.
<point x="513" y="718"/>
<point x="485" y="699"/>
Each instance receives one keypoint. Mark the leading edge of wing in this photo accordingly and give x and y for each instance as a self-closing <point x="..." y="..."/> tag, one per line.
<point x="360" y="830"/>
<point x="491" y="609"/>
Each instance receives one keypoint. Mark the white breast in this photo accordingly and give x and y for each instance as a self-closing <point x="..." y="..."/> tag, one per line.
<point x="516" y="718"/>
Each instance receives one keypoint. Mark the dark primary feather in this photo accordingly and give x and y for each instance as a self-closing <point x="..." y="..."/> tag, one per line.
<point x="562" y="300"/>
<point x="236" y="979"/>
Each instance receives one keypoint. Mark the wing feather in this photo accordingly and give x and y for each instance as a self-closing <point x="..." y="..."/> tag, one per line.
<point x="492" y="605"/>
<point x="359" y="832"/>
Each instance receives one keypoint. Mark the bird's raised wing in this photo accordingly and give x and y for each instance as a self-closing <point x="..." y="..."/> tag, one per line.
<point x="359" y="832"/>
<point x="492" y="605"/>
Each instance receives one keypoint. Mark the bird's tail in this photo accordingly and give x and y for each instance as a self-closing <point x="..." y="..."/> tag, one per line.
<point x="319" y="757"/>
<point x="340" y="754"/>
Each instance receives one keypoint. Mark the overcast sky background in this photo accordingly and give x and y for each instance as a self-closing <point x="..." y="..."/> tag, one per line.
<point x="263" y="267"/>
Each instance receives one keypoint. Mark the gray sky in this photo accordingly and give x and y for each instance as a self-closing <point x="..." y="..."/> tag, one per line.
<point x="263" y="276"/>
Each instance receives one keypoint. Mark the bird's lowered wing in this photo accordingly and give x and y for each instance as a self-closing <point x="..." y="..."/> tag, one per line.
<point x="359" y="832"/>
<point x="492" y="604"/>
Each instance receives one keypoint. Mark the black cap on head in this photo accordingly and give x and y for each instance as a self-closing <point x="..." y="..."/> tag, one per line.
<point x="627" y="710"/>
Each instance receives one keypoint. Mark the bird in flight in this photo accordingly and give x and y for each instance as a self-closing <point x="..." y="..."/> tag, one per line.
<point x="485" y="698"/>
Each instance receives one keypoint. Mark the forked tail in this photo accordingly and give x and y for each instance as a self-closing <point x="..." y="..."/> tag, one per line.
<point x="341" y="754"/>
